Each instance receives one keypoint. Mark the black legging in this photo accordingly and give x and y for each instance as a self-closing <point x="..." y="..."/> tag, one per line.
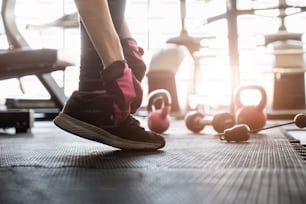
<point x="90" y="62"/>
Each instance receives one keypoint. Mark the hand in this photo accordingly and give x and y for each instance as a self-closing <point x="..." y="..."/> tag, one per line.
<point x="133" y="55"/>
<point x="120" y="81"/>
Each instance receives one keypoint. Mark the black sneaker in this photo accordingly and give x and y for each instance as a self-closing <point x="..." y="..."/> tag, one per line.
<point x="89" y="115"/>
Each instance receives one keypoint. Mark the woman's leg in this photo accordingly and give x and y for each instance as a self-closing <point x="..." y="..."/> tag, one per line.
<point x="97" y="20"/>
<point x="91" y="64"/>
<point x="103" y="114"/>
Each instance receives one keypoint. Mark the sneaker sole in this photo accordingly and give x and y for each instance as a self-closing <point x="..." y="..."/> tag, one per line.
<point x="91" y="132"/>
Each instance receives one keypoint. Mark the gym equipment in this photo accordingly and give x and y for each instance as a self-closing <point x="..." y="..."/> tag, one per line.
<point x="43" y="109"/>
<point x="21" y="60"/>
<point x="159" y="107"/>
<point x="22" y="120"/>
<point x="67" y="21"/>
<point x="288" y="71"/>
<point x="196" y="121"/>
<point x="240" y="133"/>
<point x="168" y="66"/>
<point x="252" y="115"/>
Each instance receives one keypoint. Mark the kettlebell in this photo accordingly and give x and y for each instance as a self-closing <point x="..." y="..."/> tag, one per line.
<point x="159" y="107"/>
<point x="253" y="116"/>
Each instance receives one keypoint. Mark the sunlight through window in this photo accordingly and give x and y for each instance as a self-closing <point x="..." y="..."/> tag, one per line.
<point x="152" y="24"/>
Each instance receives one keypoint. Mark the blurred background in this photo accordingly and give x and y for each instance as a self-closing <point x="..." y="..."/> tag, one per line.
<point x="223" y="45"/>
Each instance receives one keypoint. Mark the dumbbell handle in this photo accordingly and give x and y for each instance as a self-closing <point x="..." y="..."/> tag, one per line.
<point x="202" y="121"/>
<point x="208" y="121"/>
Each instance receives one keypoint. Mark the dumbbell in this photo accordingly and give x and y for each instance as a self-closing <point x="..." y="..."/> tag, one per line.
<point x="159" y="107"/>
<point x="241" y="132"/>
<point x="196" y="121"/>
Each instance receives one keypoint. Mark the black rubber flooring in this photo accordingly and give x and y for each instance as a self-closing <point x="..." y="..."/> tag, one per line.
<point x="51" y="166"/>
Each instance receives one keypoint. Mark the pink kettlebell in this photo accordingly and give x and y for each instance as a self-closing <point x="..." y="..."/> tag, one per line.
<point x="159" y="107"/>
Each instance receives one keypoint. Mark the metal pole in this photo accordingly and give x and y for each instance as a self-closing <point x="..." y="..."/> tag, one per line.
<point x="233" y="47"/>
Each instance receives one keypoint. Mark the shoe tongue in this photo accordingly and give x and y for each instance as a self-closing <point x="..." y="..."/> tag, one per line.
<point x="113" y="71"/>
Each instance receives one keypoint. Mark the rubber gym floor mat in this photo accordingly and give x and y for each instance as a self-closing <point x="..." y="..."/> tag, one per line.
<point x="51" y="166"/>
